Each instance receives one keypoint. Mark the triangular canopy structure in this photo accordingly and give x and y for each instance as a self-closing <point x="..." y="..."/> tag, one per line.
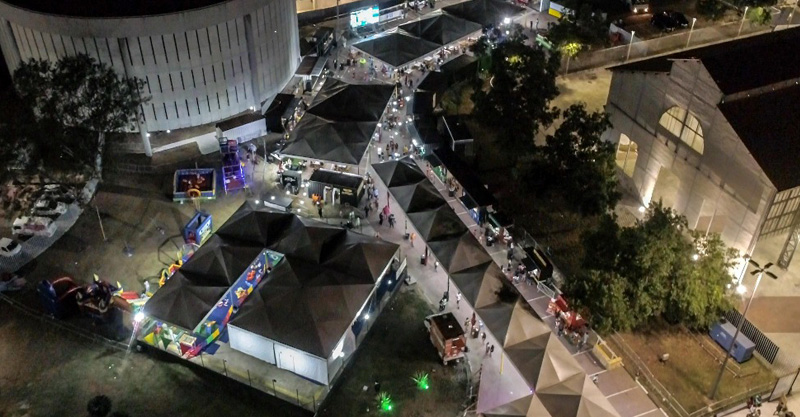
<point x="303" y="306"/>
<point x="438" y="225"/>
<point x="422" y="196"/>
<point x="310" y="240"/>
<point x="594" y="403"/>
<point x="258" y="228"/>
<point x="558" y="366"/>
<point x="469" y="280"/>
<point x="564" y="398"/>
<point x="459" y="253"/>
<point x="399" y="172"/>
<point x="182" y="302"/>
<point x="361" y="256"/>
<point x="342" y="142"/>
<point x="485" y="12"/>
<point x="343" y="102"/>
<point x="496" y="317"/>
<point x="220" y="263"/>
<point x="398" y="48"/>
<point x="441" y="29"/>
<point x="524" y="325"/>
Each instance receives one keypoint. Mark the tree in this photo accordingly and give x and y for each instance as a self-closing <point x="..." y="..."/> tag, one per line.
<point x="711" y="9"/>
<point x="581" y="25"/>
<point x="759" y="16"/>
<point x="516" y="102"/>
<point x="576" y="163"/>
<point x="651" y="271"/>
<point x="78" y="95"/>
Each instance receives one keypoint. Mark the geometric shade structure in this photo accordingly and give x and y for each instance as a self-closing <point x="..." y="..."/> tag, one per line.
<point x="398" y="48"/>
<point x="441" y="29"/>
<point x="485" y="12"/>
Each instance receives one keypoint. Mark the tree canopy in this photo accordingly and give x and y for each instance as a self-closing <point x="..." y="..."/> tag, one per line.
<point x="516" y="101"/>
<point x="582" y="26"/>
<point x="72" y="101"/>
<point x="654" y="270"/>
<point x="577" y="163"/>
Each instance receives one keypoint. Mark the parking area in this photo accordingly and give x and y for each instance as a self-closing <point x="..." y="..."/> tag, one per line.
<point x="641" y="22"/>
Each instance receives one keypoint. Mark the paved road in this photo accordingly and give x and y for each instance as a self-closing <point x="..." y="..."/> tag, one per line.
<point x="36" y="245"/>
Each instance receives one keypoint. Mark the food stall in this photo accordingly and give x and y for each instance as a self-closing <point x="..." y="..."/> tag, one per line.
<point x="336" y="187"/>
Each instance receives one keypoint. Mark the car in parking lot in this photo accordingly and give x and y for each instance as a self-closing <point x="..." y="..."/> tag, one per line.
<point x="679" y="18"/>
<point x="46" y="207"/>
<point x="663" y="21"/>
<point x="638" y="6"/>
<point x="58" y="192"/>
<point x="9" y="247"/>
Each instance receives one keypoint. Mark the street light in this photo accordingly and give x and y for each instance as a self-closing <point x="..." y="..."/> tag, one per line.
<point x="744" y="15"/>
<point x="633" y="33"/>
<point x="694" y="20"/>
<point x="740" y="289"/>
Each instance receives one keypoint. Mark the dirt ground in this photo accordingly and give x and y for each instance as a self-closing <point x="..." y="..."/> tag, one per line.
<point x="50" y="372"/>
<point x="397" y="348"/>
<point x="693" y="365"/>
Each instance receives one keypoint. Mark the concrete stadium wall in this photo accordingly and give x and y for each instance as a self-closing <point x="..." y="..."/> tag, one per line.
<point x="723" y="187"/>
<point x="200" y="65"/>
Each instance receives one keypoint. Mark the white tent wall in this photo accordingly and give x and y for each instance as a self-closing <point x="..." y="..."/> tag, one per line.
<point x="301" y="363"/>
<point x="251" y="344"/>
<point x="247" y="131"/>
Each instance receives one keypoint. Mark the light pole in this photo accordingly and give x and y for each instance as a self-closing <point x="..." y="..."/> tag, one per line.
<point x="728" y="352"/>
<point x="694" y="20"/>
<point x="627" y="57"/>
<point x="744" y="16"/>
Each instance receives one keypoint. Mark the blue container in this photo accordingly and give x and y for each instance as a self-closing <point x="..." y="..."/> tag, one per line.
<point x="743" y="348"/>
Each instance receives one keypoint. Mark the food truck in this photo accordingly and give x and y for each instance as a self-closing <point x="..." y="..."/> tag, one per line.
<point x="447" y="336"/>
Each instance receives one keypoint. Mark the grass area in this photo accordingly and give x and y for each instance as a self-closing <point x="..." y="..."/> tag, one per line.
<point x="395" y="349"/>
<point x="693" y="365"/>
<point x="50" y="372"/>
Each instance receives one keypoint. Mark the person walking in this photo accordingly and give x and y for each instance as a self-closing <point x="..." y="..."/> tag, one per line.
<point x="491" y="350"/>
<point x="458" y="300"/>
<point x="411" y="238"/>
<point x="380" y="219"/>
<point x="319" y="210"/>
<point x="483" y="337"/>
<point x="487" y="349"/>
<point x="366" y="210"/>
<point x="436" y="266"/>
<point x="584" y="339"/>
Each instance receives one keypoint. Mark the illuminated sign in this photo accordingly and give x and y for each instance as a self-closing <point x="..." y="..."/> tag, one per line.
<point x="364" y="17"/>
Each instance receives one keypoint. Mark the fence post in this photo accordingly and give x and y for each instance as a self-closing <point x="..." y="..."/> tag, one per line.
<point x="225" y="367"/>
<point x="274" y="391"/>
<point x="297" y="391"/>
<point x="249" y="379"/>
<point x="201" y="360"/>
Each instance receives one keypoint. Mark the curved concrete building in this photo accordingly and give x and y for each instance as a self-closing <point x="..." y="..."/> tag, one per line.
<point x="202" y="60"/>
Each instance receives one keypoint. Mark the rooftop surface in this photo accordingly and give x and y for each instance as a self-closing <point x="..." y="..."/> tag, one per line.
<point x="110" y="8"/>
<point x="768" y="124"/>
<point x="740" y="65"/>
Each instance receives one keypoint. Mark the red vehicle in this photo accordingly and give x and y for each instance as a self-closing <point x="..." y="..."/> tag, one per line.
<point x="447" y="335"/>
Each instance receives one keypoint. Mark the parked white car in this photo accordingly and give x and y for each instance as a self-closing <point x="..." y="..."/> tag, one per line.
<point x="9" y="247"/>
<point x="34" y="226"/>
<point x="46" y="207"/>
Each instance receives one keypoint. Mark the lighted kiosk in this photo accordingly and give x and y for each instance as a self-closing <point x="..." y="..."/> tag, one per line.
<point x="336" y="187"/>
<point x="298" y="294"/>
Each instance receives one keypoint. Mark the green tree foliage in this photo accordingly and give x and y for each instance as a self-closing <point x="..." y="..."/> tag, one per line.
<point x="759" y="15"/>
<point x="74" y="101"/>
<point x="649" y="272"/>
<point x="576" y="163"/>
<point x="582" y="26"/>
<point x="516" y="101"/>
<point x="711" y="9"/>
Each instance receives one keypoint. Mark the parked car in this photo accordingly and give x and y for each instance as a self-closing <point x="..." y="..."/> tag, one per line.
<point x="679" y="18"/>
<point x="34" y="226"/>
<point x="46" y="207"/>
<point x="638" y="6"/>
<point x="58" y="192"/>
<point x="9" y="247"/>
<point x="663" y="21"/>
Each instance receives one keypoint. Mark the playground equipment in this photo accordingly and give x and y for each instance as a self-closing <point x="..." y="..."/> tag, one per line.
<point x="191" y="184"/>
<point x="232" y="174"/>
<point x="183" y="255"/>
<point x="97" y="299"/>
<point x="58" y="296"/>
<point x="198" y="229"/>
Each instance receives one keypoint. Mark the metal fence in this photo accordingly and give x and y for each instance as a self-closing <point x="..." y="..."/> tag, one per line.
<point x="764" y="346"/>
<point x="663" y="44"/>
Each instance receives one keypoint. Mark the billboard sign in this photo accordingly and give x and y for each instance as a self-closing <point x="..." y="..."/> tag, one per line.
<point x="365" y="17"/>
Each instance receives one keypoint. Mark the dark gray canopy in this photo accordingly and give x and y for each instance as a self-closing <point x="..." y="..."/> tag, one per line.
<point x="340" y="142"/>
<point x="485" y="12"/>
<point x="399" y="172"/>
<point x="183" y="302"/>
<point x="343" y="102"/>
<point x="398" y="48"/>
<point x="441" y="29"/>
<point x="421" y="196"/>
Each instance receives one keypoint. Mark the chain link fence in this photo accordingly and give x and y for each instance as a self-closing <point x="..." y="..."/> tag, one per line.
<point x="664" y="44"/>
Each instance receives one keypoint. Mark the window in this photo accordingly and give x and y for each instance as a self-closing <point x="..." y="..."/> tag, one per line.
<point x="627" y="153"/>
<point x="683" y="125"/>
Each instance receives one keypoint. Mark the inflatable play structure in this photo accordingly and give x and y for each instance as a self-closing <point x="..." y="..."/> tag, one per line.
<point x="193" y="184"/>
<point x="198" y="229"/>
<point x="232" y="174"/>
<point x="62" y="297"/>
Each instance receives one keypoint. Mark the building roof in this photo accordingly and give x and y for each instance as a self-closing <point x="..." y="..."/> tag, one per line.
<point x="465" y="176"/>
<point x="398" y="48"/>
<point x="769" y="125"/>
<point x="240" y="120"/>
<point x="307" y="301"/>
<point x="337" y="178"/>
<point x="739" y="65"/>
<point x="106" y="8"/>
<point x="448" y="325"/>
<point x="441" y="29"/>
